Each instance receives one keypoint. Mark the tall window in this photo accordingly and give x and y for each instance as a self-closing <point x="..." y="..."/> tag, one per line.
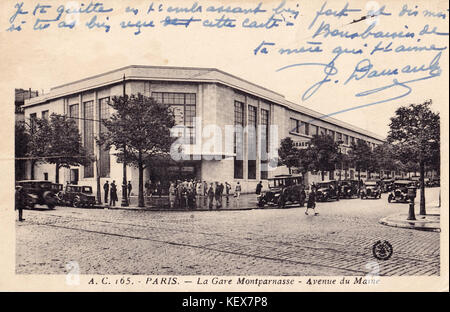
<point x="331" y="133"/>
<point x="345" y="139"/>
<point x="238" y="140"/>
<point x="89" y="135"/>
<point x="252" y="123"/>
<point x="74" y="113"/>
<point x="45" y="114"/>
<point x="183" y="106"/>
<point x="104" y="154"/>
<point x="264" y="142"/>
<point x="293" y="125"/>
<point x="314" y="130"/>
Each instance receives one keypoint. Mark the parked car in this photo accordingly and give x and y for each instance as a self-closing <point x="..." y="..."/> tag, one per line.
<point x="387" y="185"/>
<point x="78" y="196"/>
<point x="284" y="189"/>
<point x="38" y="192"/>
<point x="399" y="192"/>
<point x="433" y="182"/>
<point x="370" y="189"/>
<point x="349" y="189"/>
<point x="327" y="190"/>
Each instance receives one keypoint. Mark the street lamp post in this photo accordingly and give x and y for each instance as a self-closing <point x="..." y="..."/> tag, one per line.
<point x="411" y="195"/>
<point x="124" y="202"/>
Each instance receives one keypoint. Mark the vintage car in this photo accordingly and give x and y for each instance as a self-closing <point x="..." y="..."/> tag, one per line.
<point x="327" y="190"/>
<point x="399" y="191"/>
<point x="386" y="185"/>
<point x="283" y="190"/>
<point x="38" y="192"/>
<point x="370" y="189"/>
<point x="78" y="196"/>
<point x="349" y="189"/>
<point x="433" y="182"/>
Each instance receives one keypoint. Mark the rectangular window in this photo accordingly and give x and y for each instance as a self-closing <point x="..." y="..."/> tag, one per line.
<point x="89" y="135"/>
<point x="104" y="154"/>
<point x="331" y="133"/>
<point x="314" y="130"/>
<point x="74" y="113"/>
<point x="238" y="140"/>
<point x="345" y="139"/>
<point x="45" y="114"/>
<point x="183" y="106"/>
<point x="323" y="131"/>
<point x="338" y="136"/>
<point x="264" y="143"/>
<point x="252" y="123"/>
<point x="293" y="125"/>
<point x="306" y="127"/>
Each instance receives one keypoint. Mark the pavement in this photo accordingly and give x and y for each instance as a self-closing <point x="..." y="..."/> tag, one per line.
<point x="257" y="242"/>
<point x="244" y="202"/>
<point x="429" y="222"/>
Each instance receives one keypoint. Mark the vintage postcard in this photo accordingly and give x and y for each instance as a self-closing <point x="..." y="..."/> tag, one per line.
<point x="203" y="145"/>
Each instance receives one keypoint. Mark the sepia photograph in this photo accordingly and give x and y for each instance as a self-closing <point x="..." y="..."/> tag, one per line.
<point x="225" y="145"/>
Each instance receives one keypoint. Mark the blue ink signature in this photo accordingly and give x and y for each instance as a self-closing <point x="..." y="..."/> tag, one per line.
<point x="364" y="69"/>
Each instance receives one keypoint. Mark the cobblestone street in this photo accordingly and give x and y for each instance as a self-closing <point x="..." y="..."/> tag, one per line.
<point x="242" y="242"/>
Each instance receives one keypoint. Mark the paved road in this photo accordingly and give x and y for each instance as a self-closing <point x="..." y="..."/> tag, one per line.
<point x="253" y="242"/>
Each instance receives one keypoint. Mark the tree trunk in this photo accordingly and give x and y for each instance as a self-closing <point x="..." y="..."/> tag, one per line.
<point x="99" y="191"/>
<point x="141" y="181"/>
<point x="56" y="173"/>
<point x="422" y="189"/>
<point x="33" y="163"/>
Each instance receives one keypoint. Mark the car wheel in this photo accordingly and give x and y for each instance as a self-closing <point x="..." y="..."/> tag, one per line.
<point x="51" y="206"/>
<point x="389" y="199"/>
<point x="76" y="202"/>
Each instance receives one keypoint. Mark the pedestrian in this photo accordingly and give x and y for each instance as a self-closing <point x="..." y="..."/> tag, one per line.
<point x="227" y="188"/>
<point x="20" y="201"/>
<point x="237" y="190"/>
<point x="113" y="194"/>
<point x="218" y="196"/>
<point x="259" y="187"/>
<point x="205" y="188"/>
<point x="106" y="190"/>
<point x="311" y="201"/>
<point x="180" y="190"/>
<point x="172" y="192"/>
<point x="211" y="196"/>
<point x="129" y="187"/>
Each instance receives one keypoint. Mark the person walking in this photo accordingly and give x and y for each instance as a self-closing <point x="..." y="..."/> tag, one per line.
<point x="227" y="188"/>
<point x="205" y="188"/>
<point x="20" y="201"/>
<point x="129" y="187"/>
<point x="106" y="190"/>
<point x="259" y="187"/>
<point x="113" y="194"/>
<point x="311" y="202"/>
<point x="237" y="190"/>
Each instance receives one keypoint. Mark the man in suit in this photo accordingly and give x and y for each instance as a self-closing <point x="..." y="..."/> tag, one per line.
<point x="106" y="190"/>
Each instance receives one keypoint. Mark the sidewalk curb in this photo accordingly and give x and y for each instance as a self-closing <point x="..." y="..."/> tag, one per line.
<point x="399" y="221"/>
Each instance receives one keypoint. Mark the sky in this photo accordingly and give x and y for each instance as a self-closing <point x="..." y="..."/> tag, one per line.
<point x="47" y="58"/>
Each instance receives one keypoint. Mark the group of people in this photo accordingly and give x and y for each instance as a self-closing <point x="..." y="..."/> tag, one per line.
<point x="110" y="191"/>
<point x="188" y="193"/>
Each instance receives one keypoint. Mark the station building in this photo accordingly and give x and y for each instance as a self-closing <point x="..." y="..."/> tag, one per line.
<point x="214" y="98"/>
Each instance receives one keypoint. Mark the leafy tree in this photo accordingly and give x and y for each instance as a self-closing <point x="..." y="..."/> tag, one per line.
<point x="288" y="153"/>
<point x="324" y="153"/>
<point x="385" y="158"/>
<point x="57" y="141"/>
<point x="415" y="133"/>
<point x="20" y="148"/>
<point x="139" y="129"/>
<point x="360" y="156"/>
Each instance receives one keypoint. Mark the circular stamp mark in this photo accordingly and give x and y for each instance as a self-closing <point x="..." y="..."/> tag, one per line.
<point x="382" y="250"/>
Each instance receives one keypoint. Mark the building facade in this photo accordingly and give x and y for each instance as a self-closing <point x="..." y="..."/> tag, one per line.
<point x="211" y="96"/>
